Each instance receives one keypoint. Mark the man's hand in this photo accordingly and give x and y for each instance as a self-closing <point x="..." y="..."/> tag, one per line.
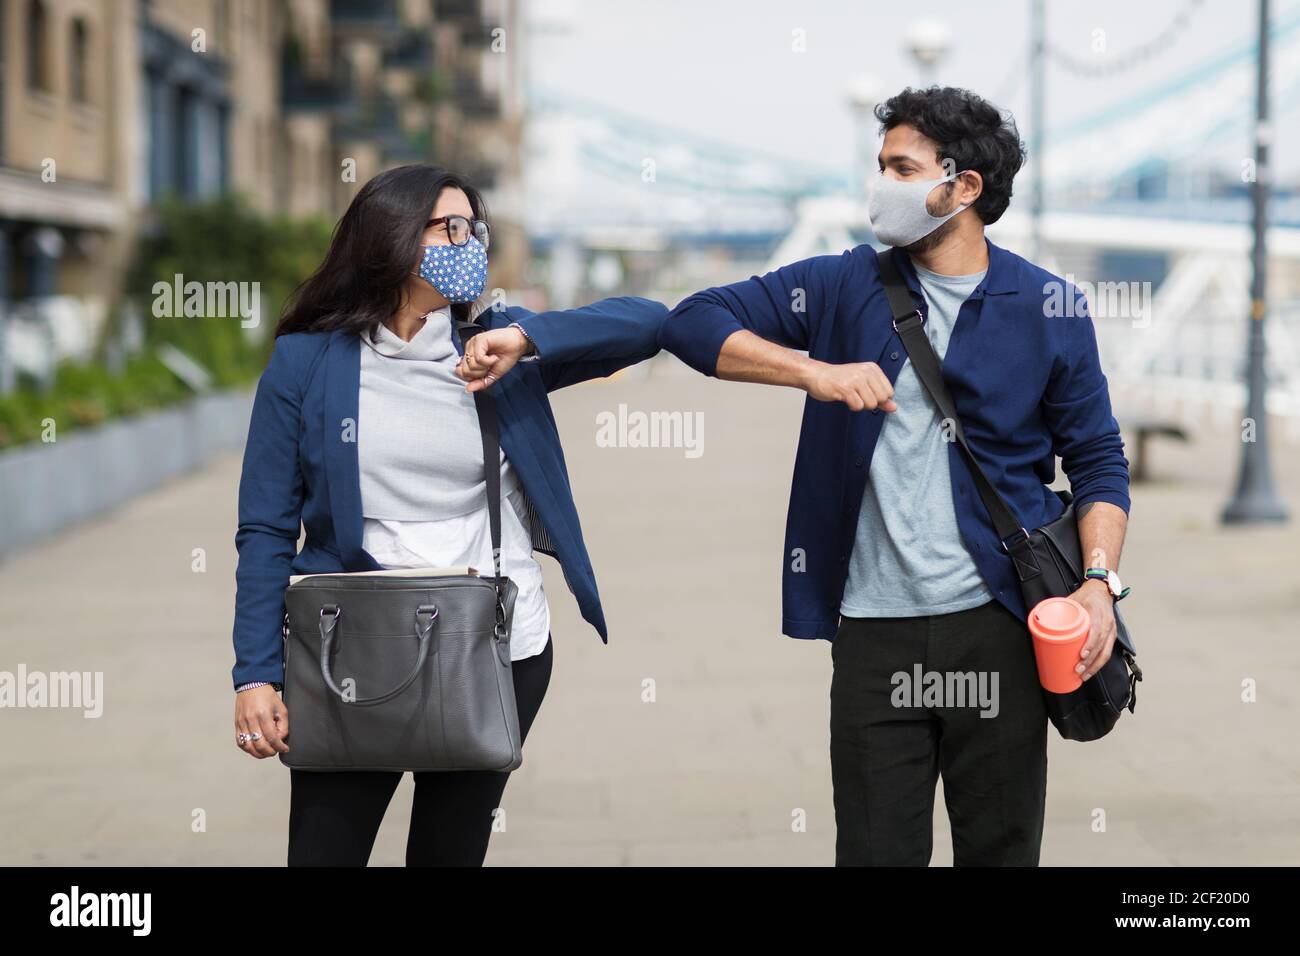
<point x="1101" y="536"/>
<point x="489" y="356"/>
<point x="861" y="385"/>
<point x="1097" y="601"/>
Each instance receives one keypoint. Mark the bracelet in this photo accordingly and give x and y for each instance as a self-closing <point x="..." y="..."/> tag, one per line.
<point x="528" y="355"/>
<point x="258" y="683"/>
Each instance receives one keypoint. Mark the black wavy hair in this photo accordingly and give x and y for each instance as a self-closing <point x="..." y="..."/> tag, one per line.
<point x="375" y="246"/>
<point x="968" y="129"/>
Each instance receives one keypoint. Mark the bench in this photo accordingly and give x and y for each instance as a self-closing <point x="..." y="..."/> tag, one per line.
<point x="1143" y="430"/>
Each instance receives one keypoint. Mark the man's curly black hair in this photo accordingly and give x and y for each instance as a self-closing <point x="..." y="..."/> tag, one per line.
<point x="968" y="129"/>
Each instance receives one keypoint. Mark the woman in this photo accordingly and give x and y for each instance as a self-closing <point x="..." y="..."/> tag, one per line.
<point x="364" y="432"/>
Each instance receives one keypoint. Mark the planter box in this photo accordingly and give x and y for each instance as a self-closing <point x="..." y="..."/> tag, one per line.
<point x="45" y="488"/>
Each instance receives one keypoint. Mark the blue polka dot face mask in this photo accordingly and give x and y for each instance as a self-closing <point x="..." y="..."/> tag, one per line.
<point x="458" y="272"/>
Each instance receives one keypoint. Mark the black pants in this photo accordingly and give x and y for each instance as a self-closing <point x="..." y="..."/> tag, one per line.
<point x="334" y="816"/>
<point x="887" y="750"/>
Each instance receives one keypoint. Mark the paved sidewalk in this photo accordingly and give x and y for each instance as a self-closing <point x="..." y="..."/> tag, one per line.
<point x="734" y="745"/>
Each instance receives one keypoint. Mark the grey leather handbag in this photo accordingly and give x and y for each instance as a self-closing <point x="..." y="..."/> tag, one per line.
<point x="405" y="673"/>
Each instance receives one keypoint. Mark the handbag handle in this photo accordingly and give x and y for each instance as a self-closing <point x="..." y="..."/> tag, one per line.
<point x="909" y="325"/>
<point x="332" y="612"/>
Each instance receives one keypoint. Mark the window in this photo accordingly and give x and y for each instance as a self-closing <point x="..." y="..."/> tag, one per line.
<point x="79" y="61"/>
<point x="38" y="77"/>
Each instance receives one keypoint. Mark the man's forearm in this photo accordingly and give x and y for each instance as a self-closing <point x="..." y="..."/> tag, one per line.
<point x="1101" y="534"/>
<point x="746" y="357"/>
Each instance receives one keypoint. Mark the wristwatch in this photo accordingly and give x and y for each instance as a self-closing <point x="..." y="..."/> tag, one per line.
<point x="1113" y="583"/>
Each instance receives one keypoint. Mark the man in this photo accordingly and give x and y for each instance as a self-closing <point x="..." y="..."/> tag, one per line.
<point x="889" y="551"/>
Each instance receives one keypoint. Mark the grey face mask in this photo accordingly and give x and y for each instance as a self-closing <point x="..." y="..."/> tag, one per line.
<point x="898" y="213"/>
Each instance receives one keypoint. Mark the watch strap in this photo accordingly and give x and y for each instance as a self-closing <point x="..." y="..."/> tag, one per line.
<point x="1103" y="574"/>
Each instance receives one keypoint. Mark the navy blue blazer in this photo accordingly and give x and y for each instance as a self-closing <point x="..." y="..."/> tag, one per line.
<point x="300" y="463"/>
<point x="1021" y="366"/>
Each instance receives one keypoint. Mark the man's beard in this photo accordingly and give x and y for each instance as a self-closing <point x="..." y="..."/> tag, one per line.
<point x="931" y="241"/>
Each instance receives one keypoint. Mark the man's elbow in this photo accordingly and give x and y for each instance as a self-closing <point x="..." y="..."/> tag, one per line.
<point x="1106" y="480"/>
<point x="1097" y="469"/>
<point x="672" y="328"/>
<point x="1083" y="502"/>
<point x="695" y="330"/>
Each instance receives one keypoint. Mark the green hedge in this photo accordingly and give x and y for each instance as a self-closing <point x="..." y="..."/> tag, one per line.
<point x="86" y="395"/>
<point x="217" y="241"/>
<point x="224" y="240"/>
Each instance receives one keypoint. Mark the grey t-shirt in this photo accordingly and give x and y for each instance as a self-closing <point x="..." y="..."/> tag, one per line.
<point x="908" y="556"/>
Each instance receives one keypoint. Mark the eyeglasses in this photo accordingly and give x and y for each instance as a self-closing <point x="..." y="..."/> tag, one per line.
<point x="459" y="229"/>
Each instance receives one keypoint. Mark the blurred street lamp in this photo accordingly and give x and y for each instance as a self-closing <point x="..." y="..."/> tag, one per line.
<point x="929" y="41"/>
<point x="1255" y="500"/>
<point x="1037" y="111"/>
<point x="863" y="95"/>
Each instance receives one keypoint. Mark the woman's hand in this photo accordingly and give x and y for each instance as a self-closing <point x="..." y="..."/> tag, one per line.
<point x="260" y="711"/>
<point x="489" y="356"/>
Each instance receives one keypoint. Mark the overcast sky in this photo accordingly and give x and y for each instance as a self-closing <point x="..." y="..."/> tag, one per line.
<point x="725" y="68"/>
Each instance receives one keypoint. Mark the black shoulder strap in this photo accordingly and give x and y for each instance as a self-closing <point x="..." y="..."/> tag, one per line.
<point x="486" y="407"/>
<point x="910" y="328"/>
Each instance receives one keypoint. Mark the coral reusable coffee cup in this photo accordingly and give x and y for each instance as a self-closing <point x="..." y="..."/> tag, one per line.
<point x="1060" y="628"/>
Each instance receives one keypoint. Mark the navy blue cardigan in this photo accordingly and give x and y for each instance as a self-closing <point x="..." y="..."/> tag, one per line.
<point x="1023" y="371"/>
<point x="300" y="469"/>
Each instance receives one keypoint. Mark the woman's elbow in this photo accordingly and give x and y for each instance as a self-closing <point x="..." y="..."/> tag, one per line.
<point x="654" y="311"/>
<point x="652" y="317"/>
<point x="675" y="325"/>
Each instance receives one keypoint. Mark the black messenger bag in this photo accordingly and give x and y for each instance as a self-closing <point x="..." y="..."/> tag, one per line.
<point x="1048" y="560"/>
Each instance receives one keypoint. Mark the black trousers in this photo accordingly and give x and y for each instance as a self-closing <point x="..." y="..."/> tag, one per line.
<point x="888" y="746"/>
<point x="334" y="816"/>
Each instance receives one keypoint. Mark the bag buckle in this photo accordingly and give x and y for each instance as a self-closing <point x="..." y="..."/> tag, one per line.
<point x="329" y="619"/>
<point x="915" y="312"/>
<point x="1017" y="537"/>
<point x="1135" y="675"/>
<point x="499" y="625"/>
<point x="432" y="611"/>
